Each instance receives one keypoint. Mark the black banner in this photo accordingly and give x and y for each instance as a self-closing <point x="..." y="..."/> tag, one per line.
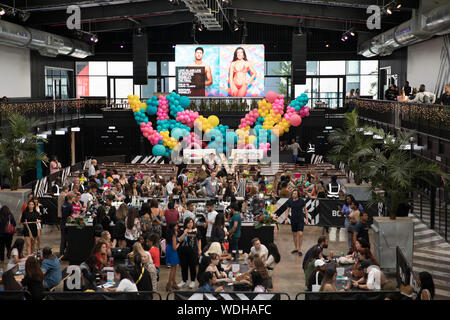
<point x="191" y="81"/>
<point x="50" y="210"/>
<point x="325" y="212"/>
<point x="227" y="296"/>
<point x="404" y="272"/>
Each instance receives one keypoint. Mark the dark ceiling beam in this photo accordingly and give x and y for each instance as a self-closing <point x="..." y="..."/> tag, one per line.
<point x="57" y="4"/>
<point x="101" y="13"/>
<point x="151" y="21"/>
<point x="406" y="4"/>
<point x="312" y="10"/>
<point x="291" y="20"/>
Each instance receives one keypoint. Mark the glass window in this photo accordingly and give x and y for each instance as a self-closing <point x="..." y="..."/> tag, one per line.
<point x="149" y="89"/>
<point x="369" y="67"/>
<point x="79" y="66"/>
<point x="120" y="68"/>
<point x="98" y="86"/>
<point x="275" y="68"/>
<point x="277" y="84"/>
<point x="301" y="88"/>
<point x="82" y="86"/>
<point x="369" y="85"/>
<point x="352" y="67"/>
<point x="312" y="68"/>
<point x="152" y="69"/>
<point x="168" y="68"/>
<point x="97" y="68"/>
<point x="332" y="68"/>
<point x="328" y="85"/>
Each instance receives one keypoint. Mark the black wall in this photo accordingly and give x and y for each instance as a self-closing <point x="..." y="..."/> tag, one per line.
<point x="38" y="64"/>
<point x="398" y="61"/>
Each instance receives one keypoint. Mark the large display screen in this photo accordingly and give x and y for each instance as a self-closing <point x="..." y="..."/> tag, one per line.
<point x="220" y="70"/>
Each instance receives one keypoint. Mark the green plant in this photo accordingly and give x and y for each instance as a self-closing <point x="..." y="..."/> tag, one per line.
<point x="77" y="221"/>
<point x="352" y="147"/>
<point x="393" y="170"/>
<point x="19" y="148"/>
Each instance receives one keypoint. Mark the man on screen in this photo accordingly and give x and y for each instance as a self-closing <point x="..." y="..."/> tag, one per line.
<point x="199" y="62"/>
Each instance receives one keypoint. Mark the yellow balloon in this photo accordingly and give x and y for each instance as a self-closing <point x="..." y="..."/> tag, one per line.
<point x="213" y="120"/>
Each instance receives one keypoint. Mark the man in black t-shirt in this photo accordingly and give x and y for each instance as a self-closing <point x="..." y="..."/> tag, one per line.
<point x="361" y="229"/>
<point x="296" y="207"/>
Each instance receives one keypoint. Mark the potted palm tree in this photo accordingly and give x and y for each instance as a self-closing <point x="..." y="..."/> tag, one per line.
<point x="19" y="149"/>
<point x="353" y="146"/>
<point x="392" y="169"/>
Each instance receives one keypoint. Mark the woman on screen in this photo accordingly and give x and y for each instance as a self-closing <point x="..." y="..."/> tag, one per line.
<point x="239" y="68"/>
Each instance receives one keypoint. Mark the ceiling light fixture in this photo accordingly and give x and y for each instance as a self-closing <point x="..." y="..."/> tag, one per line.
<point x="199" y="27"/>
<point x="2" y="12"/>
<point x="399" y="6"/>
<point x="389" y="11"/>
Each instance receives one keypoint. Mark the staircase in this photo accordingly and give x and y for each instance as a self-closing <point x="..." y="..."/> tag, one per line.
<point x="432" y="254"/>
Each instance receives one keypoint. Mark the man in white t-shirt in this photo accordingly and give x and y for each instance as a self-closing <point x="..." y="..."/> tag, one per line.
<point x="259" y="249"/>
<point x="189" y="212"/>
<point x="210" y="219"/>
<point x="170" y="185"/>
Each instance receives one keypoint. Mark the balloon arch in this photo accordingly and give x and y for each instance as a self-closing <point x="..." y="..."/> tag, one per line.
<point x="174" y="121"/>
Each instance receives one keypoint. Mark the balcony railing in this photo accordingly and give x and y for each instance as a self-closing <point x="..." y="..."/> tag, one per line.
<point x="430" y="119"/>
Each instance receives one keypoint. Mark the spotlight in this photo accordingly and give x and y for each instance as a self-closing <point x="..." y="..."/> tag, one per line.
<point x="399" y="6"/>
<point x="342" y="39"/>
<point x="174" y="2"/>
<point x="121" y="46"/>
<point x="345" y="37"/>
<point x="389" y="11"/>
<point x="199" y="27"/>
<point x="2" y="12"/>
<point x="327" y="45"/>
<point x="94" y="38"/>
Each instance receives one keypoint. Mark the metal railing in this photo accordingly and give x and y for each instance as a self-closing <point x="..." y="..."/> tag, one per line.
<point x="346" y="295"/>
<point x="52" y="114"/>
<point x="432" y="119"/>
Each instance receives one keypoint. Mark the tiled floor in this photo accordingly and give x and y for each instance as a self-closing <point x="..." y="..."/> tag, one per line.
<point x="288" y="276"/>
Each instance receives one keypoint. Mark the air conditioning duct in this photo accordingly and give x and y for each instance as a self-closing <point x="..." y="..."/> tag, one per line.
<point x="422" y="26"/>
<point x="48" y="44"/>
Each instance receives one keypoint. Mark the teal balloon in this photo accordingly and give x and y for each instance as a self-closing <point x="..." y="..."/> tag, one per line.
<point x="158" y="150"/>
<point x="151" y="110"/>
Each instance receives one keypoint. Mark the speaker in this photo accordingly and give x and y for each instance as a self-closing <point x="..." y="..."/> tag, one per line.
<point x="298" y="59"/>
<point x="140" y="57"/>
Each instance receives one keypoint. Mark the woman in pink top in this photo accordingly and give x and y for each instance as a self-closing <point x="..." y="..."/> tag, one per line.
<point x="55" y="166"/>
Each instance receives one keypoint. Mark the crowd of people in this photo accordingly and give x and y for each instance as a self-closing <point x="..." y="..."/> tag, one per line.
<point x="135" y="242"/>
<point x="421" y="95"/>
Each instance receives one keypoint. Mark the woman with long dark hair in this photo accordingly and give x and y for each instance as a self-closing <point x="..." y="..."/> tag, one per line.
<point x="156" y="215"/>
<point x="16" y="254"/>
<point x="133" y="227"/>
<point x="426" y="284"/>
<point x="239" y="68"/>
<point x="218" y="231"/>
<point x="33" y="280"/>
<point x="126" y="283"/>
<point x="189" y="252"/>
<point x="9" y="282"/>
<point x="30" y="219"/>
<point x="173" y="242"/>
<point x="6" y="218"/>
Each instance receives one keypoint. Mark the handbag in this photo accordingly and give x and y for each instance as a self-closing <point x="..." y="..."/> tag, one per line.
<point x="10" y="229"/>
<point x="316" y="287"/>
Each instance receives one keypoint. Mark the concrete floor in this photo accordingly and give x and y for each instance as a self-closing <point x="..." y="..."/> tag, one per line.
<point x="288" y="276"/>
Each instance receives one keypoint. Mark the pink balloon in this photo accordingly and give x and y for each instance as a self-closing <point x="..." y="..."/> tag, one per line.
<point x="296" y="120"/>
<point x="271" y="96"/>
